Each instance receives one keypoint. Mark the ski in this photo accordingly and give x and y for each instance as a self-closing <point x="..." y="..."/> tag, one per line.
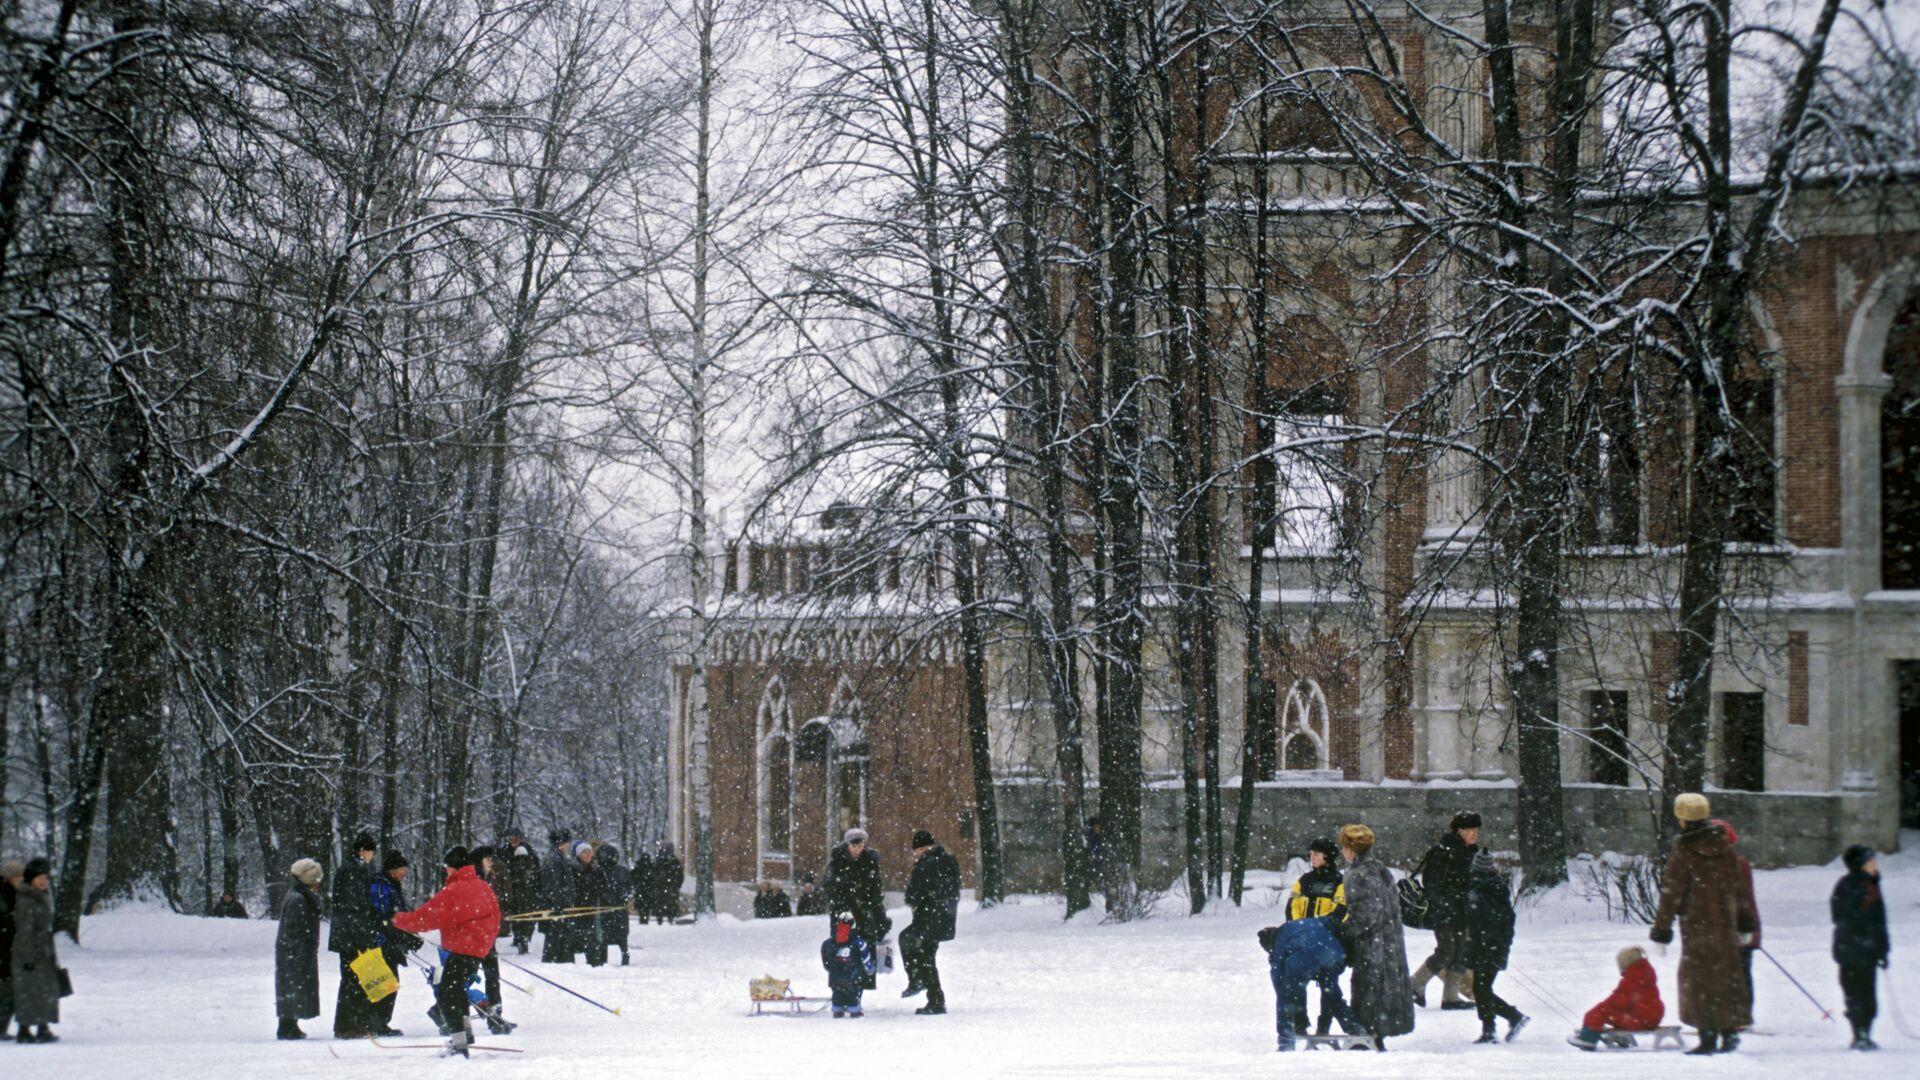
<point x="442" y="1046"/>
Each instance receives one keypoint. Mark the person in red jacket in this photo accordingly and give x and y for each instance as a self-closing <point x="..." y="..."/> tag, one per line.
<point x="1634" y="1005"/>
<point x="467" y="914"/>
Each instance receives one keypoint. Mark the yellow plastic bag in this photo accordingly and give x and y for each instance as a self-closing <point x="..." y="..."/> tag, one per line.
<point x="376" y="978"/>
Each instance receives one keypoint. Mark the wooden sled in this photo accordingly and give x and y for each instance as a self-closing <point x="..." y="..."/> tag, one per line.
<point x="1664" y="1038"/>
<point x="775" y="997"/>
<point x="1340" y="1042"/>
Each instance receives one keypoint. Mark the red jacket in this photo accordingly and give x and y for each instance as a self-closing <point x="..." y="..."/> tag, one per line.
<point x="1634" y="1005"/>
<point x="465" y="911"/>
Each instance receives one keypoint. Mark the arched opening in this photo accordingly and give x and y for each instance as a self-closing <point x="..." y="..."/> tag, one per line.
<point x="1900" y="452"/>
<point x="774" y="751"/>
<point x="1303" y="727"/>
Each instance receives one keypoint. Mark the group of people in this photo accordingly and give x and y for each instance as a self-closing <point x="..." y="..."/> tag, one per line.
<point x="31" y="979"/>
<point x="772" y="901"/>
<point x="1353" y="919"/>
<point x="590" y="892"/>
<point x="856" y="944"/>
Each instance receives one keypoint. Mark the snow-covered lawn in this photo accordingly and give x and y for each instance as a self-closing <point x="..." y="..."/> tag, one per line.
<point x="166" y="996"/>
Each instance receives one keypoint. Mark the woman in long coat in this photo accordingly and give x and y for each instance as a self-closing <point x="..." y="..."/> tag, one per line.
<point x="36" y="968"/>
<point x="1703" y="887"/>
<point x="1375" y="940"/>
<point x="615" y="889"/>
<point x="296" y="952"/>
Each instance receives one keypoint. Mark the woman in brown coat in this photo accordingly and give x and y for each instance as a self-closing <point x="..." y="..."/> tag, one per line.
<point x="1703" y="887"/>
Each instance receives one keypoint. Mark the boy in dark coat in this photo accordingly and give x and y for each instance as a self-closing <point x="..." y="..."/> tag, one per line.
<point x="1443" y="872"/>
<point x="934" y="895"/>
<point x="1703" y="889"/>
<point x="1634" y="1005"/>
<point x="1860" y="942"/>
<point x="1489" y="938"/>
<point x="849" y="963"/>
<point x="296" y="952"/>
<point x="1298" y="952"/>
<point x="353" y="931"/>
<point x="389" y="899"/>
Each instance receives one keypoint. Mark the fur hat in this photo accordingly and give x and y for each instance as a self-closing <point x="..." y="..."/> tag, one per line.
<point x="36" y="867"/>
<point x="1856" y="857"/>
<point x="364" y="842"/>
<point x="1324" y="846"/>
<point x="11" y="869"/>
<point x="392" y="862"/>
<point x="455" y="857"/>
<point x="1483" y="863"/>
<point x="307" y="872"/>
<point x="1628" y="957"/>
<point x="854" y="834"/>
<point x="1692" y="806"/>
<point x="484" y="851"/>
<point x="921" y="838"/>
<point x="1356" y="838"/>
<point x="1465" y="819"/>
<point x="558" y="837"/>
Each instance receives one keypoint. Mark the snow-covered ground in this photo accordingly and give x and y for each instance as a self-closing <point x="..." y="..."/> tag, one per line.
<point x="165" y="996"/>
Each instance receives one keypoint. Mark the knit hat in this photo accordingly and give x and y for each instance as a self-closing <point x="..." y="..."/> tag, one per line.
<point x="307" y="872"/>
<point x="1692" y="806"/>
<point x="558" y="837"/>
<point x="392" y="862"/>
<point x="1628" y="957"/>
<point x="1483" y="863"/>
<point x="1856" y="857"/>
<point x="855" y="834"/>
<point x="1324" y="846"/>
<point x="1465" y="819"/>
<point x="11" y="869"/>
<point x="921" y="838"/>
<point x="455" y="858"/>
<point x="582" y="848"/>
<point x="39" y="865"/>
<point x="1726" y="826"/>
<point x="364" y="842"/>
<point x="1356" y="838"/>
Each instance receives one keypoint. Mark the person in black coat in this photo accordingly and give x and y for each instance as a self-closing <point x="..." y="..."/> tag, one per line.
<point x="811" y="900"/>
<point x="228" y="908"/>
<point x="355" y="929"/>
<point x="1487" y="916"/>
<point x="559" y="878"/>
<point x="389" y="893"/>
<point x="613" y="888"/>
<point x="933" y="892"/>
<point x="668" y="872"/>
<point x="852" y="884"/>
<point x="296" y="952"/>
<point x="1860" y="944"/>
<point x="1443" y="873"/>
<point x="771" y="902"/>
<point x="11" y="873"/>
<point x="523" y="868"/>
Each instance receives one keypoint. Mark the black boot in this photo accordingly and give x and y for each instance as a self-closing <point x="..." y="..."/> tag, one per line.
<point x="1709" y="1042"/>
<point x="1486" y="1033"/>
<point x="1324" y="1025"/>
<point x="289" y="1029"/>
<point x="46" y="1035"/>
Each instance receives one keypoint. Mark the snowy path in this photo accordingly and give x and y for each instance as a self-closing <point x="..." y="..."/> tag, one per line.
<point x="163" y="996"/>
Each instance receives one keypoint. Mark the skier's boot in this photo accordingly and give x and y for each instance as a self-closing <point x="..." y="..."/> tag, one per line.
<point x="1585" y="1039"/>
<point x="289" y="1029"/>
<point x="1486" y="1034"/>
<point x="499" y="1025"/>
<point x="1709" y="1042"/>
<point x="1515" y="1025"/>
<point x="439" y="1019"/>
<point x="460" y="1040"/>
<point x="1862" y="1040"/>
<point x="913" y="987"/>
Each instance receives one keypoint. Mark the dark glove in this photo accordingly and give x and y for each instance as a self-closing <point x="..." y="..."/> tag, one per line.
<point x="1266" y="936"/>
<point x="1661" y="935"/>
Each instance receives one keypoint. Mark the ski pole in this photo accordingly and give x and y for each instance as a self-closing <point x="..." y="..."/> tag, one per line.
<point x="559" y="986"/>
<point x="415" y="951"/>
<point x="1825" y="1014"/>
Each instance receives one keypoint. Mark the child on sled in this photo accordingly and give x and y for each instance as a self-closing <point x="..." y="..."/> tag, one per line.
<point x="1634" y="1005"/>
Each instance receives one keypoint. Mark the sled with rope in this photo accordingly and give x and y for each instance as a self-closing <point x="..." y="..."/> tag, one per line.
<point x="775" y="997"/>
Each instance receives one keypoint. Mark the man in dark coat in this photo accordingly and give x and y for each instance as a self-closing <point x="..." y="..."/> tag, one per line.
<point x="35" y="966"/>
<point x="933" y="892"/>
<point x="1702" y="887"/>
<point x="389" y="893"/>
<point x="11" y="873"/>
<point x="1860" y="944"/>
<point x="852" y="884"/>
<point x="1375" y="940"/>
<point x="559" y="884"/>
<point x="1443" y="872"/>
<point x="296" y="952"/>
<point x="228" y="908"/>
<point x="616" y="889"/>
<point x="524" y="869"/>
<point x="771" y="902"/>
<point x="811" y="900"/>
<point x="668" y="872"/>
<point x="355" y="929"/>
<point x="641" y="878"/>
<point x="1489" y="939"/>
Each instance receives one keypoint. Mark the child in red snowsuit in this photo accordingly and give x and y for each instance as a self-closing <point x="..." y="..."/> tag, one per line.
<point x="1634" y="1005"/>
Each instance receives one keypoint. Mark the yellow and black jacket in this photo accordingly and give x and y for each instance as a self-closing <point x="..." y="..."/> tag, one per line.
<point x="1318" y="892"/>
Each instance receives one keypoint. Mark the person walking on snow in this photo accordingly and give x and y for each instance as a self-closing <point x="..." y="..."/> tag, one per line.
<point x="559" y="876"/>
<point x="848" y="959"/>
<point x="467" y="914"/>
<point x="389" y="895"/>
<point x="524" y="894"/>
<point x="1443" y="873"/>
<point x="1298" y="952"/>
<point x="1860" y="942"/>
<point x="1702" y="888"/>
<point x="1375" y="940"/>
<point x="1488" y="941"/>
<point x="668" y="873"/>
<point x="1746" y="878"/>
<point x="296" y="952"/>
<point x="353" y="931"/>
<point x="35" y="965"/>
<point x="852" y="884"/>
<point x="1634" y="1005"/>
<point x="933" y="892"/>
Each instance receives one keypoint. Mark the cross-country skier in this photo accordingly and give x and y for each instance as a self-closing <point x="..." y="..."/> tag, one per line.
<point x="467" y="914"/>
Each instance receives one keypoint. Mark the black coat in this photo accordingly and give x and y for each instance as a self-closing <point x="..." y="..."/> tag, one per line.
<point x="934" y="893"/>
<point x="559" y="881"/>
<point x="772" y="905"/>
<point x="356" y="926"/>
<point x="1859" y="921"/>
<point x="853" y="885"/>
<point x="523" y="884"/>
<point x="36" y="967"/>
<point x="6" y="929"/>
<point x="228" y="909"/>
<point x="667" y="874"/>
<point x="296" y="955"/>
<point x="811" y="903"/>
<point x="1488" y="922"/>
<point x="1444" y="874"/>
<point x="612" y="886"/>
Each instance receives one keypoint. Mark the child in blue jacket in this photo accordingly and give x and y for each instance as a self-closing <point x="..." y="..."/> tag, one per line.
<point x="848" y="960"/>
<point x="1299" y="952"/>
